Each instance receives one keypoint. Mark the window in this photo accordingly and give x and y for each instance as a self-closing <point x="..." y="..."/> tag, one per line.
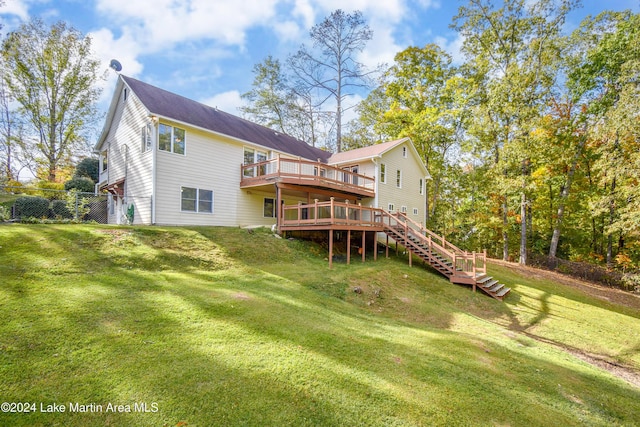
<point x="421" y="186"/>
<point x="403" y="209"/>
<point x="171" y="139"/>
<point x="391" y="207"/>
<point x="197" y="200"/>
<point x="268" y="209"/>
<point x="252" y="156"/>
<point x="404" y="152"/>
<point x="147" y="137"/>
<point x="383" y="173"/>
<point x="415" y="211"/>
<point x="125" y="94"/>
<point x="104" y="157"/>
<point x="399" y="178"/>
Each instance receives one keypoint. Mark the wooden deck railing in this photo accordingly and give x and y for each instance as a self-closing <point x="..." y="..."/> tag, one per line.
<point x="329" y="214"/>
<point x="304" y="172"/>
<point x="464" y="263"/>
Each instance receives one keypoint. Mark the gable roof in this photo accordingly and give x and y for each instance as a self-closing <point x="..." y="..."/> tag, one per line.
<point x="169" y="105"/>
<point x="365" y="152"/>
<point x="376" y="150"/>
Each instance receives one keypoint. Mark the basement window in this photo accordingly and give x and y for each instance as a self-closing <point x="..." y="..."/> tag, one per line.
<point x="196" y="200"/>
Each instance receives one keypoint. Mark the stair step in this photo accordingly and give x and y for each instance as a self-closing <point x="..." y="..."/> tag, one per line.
<point x="483" y="279"/>
<point x="488" y="284"/>
<point x="503" y="292"/>
<point x="495" y="288"/>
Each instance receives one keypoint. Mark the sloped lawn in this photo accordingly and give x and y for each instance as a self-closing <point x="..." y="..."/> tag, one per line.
<point x="219" y="326"/>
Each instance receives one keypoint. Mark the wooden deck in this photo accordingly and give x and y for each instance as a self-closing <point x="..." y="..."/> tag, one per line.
<point x="306" y="173"/>
<point x="459" y="266"/>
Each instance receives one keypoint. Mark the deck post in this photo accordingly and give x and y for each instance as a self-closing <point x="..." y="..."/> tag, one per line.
<point x="315" y="215"/>
<point x="332" y="214"/>
<point x="349" y="246"/>
<point x="387" y="247"/>
<point x="330" y="248"/>
<point x="278" y="208"/>
<point x="410" y="258"/>
<point x="364" y="245"/>
<point x="375" y="245"/>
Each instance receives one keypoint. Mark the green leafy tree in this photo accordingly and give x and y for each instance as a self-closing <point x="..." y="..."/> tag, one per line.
<point x="88" y="168"/>
<point x="52" y="75"/>
<point x="512" y="56"/>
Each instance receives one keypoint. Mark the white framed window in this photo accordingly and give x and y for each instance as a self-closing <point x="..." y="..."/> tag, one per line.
<point x="104" y="160"/>
<point x="171" y="139"/>
<point x="147" y="137"/>
<point x="399" y="178"/>
<point x="251" y="156"/>
<point x="125" y="94"/>
<point x="403" y="209"/>
<point x="391" y="207"/>
<point x="404" y="152"/>
<point x="421" y="186"/>
<point x="383" y="173"/>
<point x="415" y="211"/>
<point x="196" y="200"/>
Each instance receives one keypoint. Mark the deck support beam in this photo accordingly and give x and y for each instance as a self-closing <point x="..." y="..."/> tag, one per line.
<point x="330" y="248"/>
<point x="364" y="245"/>
<point x="348" y="246"/>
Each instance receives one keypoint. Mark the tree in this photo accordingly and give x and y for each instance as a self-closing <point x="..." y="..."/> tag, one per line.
<point x="275" y="102"/>
<point x="331" y="68"/>
<point x="53" y="76"/>
<point x="88" y="168"/>
<point x="512" y="53"/>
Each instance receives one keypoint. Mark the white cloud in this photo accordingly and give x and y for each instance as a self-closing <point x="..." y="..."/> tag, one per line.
<point x="228" y="102"/>
<point x="452" y="47"/>
<point x="17" y="8"/>
<point x="160" y="24"/>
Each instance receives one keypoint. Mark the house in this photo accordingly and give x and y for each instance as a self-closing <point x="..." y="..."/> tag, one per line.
<point x="169" y="160"/>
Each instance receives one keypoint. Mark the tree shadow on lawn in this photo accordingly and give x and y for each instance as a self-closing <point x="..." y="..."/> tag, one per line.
<point x="258" y="348"/>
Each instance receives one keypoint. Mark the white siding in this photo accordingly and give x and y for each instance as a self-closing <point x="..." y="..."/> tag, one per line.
<point x="409" y="195"/>
<point x="126" y="159"/>
<point x="209" y="163"/>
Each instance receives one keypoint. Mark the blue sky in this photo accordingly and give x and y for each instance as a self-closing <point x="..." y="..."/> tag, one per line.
<point x="205" y="49"/>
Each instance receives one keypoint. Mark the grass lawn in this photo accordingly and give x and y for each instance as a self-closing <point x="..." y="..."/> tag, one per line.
<point x="218" y="326"/>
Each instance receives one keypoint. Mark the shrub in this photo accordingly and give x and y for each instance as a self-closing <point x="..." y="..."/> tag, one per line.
<point x="5" y="215"/>
<point x="82" y="184"/>
<point x="36" y="207"/>
<point x="60" y="210"/>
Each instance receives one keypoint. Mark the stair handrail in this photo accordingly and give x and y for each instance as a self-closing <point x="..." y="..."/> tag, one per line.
<point x="425" y="230"/>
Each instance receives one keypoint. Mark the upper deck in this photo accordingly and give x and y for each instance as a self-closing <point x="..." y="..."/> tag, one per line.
<point x="306" y="173"/>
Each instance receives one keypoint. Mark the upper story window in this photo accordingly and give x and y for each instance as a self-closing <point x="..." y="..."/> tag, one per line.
<point x="383" y="173"/>
<point x="252" y="156"/>
<point x="171" y="139"/>
<point x="404" y="152"/>
<point x="421" y="186"/>
<point x="147" y="137"/>
<point x="399" y="178"/>
<point x="104" y="160"/>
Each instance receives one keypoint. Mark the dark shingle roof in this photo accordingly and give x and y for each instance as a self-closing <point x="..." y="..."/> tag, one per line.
<point x="166" y="104"/>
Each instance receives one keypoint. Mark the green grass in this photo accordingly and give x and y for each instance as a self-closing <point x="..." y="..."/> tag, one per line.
<point x="218" y="326"/>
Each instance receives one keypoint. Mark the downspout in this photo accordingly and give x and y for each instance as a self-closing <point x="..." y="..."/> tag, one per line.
<point x="153" y="169"/>
<point x="376" y="182"/>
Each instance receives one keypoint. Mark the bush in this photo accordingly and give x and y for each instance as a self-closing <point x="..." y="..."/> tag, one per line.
<point x="5" y="215"/>
<point x="36" y="207"/>
<point x="59" y="210"/>
<point x="82" y="184"/>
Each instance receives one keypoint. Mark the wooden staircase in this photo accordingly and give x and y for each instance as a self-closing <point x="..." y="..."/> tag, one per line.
<point x="459" y="266"/>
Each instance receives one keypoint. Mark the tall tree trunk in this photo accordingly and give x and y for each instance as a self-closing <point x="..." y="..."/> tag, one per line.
<point x="523" y="229"/>
<point x="564" y="194"/>
<point x="612" y="211"/>
<point x="505" y="233"/>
